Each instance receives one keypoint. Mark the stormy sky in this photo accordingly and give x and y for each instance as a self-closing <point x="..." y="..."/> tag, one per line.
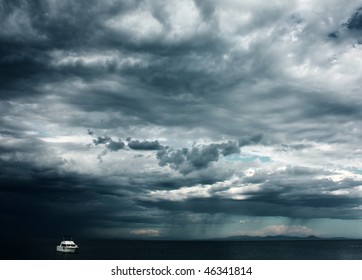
<point x="180" y="119"/>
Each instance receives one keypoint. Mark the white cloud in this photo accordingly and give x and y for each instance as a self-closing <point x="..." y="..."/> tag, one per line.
<point x="232" y="188"/>
<point x="140" y="25"/>
<point x="184" y="20"/>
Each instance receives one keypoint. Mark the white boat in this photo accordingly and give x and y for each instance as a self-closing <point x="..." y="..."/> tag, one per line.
<point x="67" y="246"/>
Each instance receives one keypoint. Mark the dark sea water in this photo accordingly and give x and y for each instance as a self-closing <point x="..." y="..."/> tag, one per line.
<point x="185" y="250"/>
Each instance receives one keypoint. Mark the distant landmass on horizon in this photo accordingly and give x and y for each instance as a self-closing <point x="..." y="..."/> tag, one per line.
<point x="248" y="238"/>
<point x="279" y="237"/>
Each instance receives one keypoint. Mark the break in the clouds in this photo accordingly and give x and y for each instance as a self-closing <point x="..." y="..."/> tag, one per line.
<point x="179" y="119"/>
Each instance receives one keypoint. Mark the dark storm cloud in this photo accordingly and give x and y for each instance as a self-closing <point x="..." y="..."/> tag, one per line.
<point x="102" y="140"/>
<point x="183" y="160"/>
<point x="33" y="31"/>
<point x="109" y="143"/>
<point x="62" y="24"/>
<point x="188" y="160"/>
<point x="324" y="107"/>
<point x="250" y="140"/>
<point x="144" y="145"/>
<point x="132" y="144"/>
<point x="115" y="145"/>
<point x="44" y="200"/>
<point x="183" y="75"/>
<point x="66" y="36"/>
<point x="351" y="27"/>
<point x="263" y="208"/>
<point x="290" y="193"/>
<point x="179" y="71"/>
<point x="41" y="198"/>
<point x="24" y="47"/>
<point x="355" y="22"/>
<point x="35" y="192"/>
<point x="229" y="148"/>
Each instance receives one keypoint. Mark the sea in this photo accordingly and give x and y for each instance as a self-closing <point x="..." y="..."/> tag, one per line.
<point x="45" y="249"/>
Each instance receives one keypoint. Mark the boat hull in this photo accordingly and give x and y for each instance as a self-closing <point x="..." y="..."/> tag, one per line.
<point x="66" y="250"/>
